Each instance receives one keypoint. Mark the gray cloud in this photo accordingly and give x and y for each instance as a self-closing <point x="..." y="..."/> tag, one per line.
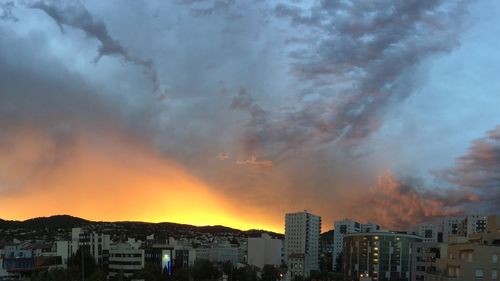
<point x="77" y="16"/>
<point x="478" y="171"/>
<point x="471" y="185"/>
<point x="359" y="64"/>
<point x="6" y="8"/>
<point x="302" y="120"/>
<point x="401" y="202"/>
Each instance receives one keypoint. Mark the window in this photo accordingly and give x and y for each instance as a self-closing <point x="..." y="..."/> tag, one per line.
<point x="470" y="257"/>
<point x="479" y="273"/>
<point x="494" y="258"/>
<point x="494" y="274"/>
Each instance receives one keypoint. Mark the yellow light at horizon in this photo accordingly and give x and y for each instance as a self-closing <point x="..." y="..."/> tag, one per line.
<point x="110" y="179"/>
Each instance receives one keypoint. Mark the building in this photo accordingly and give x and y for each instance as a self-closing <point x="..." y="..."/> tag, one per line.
<point x="428" y="232"/>
<point x="463" y="226"/>
<point x="424" y="258"/>
<point x="98" y="245"/>
<point x="20" y="261"/>
<point x="453" y="227"/>
<point x="472" y="258"/>
<point x="348" y="226"/>
<point x="475" y="224"/>
<point x="265" y="250"/>
<point x="126" y="259"/>
<point x="302" y="235"/>
<point x="380" y="256"/>
<point x="63" y="249"/>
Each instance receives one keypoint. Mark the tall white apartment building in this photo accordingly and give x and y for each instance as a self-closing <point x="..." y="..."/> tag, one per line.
<point x="348" y="226"/>
<point x="302" y="236"/>
<point x="98" y="245"/>
<point x="475" y="223"/>
<point x="463" y="226"/>
<point x="428" y="232"/>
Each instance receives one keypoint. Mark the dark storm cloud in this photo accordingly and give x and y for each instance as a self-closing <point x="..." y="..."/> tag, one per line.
<point x="45" y="108"/>
<point x="359" y="64"/>
<point x="401" y="202"/>
<point x="77" y="16"/>
<point x="471" y="185"/>
<point x="478" y="171"/>
<point x="242" y="117"/>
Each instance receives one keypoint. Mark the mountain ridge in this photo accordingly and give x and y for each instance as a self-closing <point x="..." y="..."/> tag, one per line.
<point x="68" y="221"/>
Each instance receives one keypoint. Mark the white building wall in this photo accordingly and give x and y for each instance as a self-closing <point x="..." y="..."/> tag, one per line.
<point x="428" y="232"/>
<point x="63" y="249"/>
<point x="475" y="223"/>
<point x="264" y="250"/>
<point x="123" y="257"/>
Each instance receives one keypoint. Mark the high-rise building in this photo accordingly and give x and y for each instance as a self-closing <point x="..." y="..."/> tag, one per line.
<point x="302" y="235"/>
<point x="378" y="256"/>
<point x="344" y="227"/>
<point x="96" y="244"/>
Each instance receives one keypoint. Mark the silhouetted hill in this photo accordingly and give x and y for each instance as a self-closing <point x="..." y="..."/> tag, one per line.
<point x="328" y="235"/>
<point x="130" y="228"/>
<point x="59" y="221"/>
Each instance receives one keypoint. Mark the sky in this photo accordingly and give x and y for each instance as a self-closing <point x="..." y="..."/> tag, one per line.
<point x="236" y="112"/>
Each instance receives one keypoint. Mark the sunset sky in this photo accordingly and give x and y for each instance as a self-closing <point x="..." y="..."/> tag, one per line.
<point x="235" y="112"/>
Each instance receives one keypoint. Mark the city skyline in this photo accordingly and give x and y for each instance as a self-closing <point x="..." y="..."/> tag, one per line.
<point x="234" y="113"/>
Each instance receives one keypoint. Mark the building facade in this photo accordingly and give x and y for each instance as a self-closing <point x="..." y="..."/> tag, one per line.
<point x="428" y="232"/>
<point x="472" y="258"/>
<point x="344" y="227"/>
<point x="380" y="256"/>
<point x="425" y="257"/>
<point x="123" y="258"/>
<point x="265" y="250"/>
<point x="302" y="236"/>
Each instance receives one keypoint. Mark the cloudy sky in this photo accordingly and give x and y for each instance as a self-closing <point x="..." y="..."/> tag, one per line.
<point x="237" y="111"/>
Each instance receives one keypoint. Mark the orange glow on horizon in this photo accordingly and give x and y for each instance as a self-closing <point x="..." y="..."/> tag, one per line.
<point x="111" y="179"/>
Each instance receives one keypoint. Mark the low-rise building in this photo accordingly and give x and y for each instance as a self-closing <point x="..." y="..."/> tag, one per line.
<point x="475" y="258"/>
<point x="265" y="250"/>
<point x="126" y="259"/>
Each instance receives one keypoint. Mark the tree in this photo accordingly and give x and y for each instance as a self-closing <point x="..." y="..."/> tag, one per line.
<point x="180" y="274"/>
<point x="298" y="278"/>
<point x="119" y="277"/>
<point x="246" y="273"/>
<point x="75" y="265"/>
<point x="204" y="270"/>
<point x="98" y="275"/>
<point x="269" y="273"/>
<point x="150" y="272"/>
